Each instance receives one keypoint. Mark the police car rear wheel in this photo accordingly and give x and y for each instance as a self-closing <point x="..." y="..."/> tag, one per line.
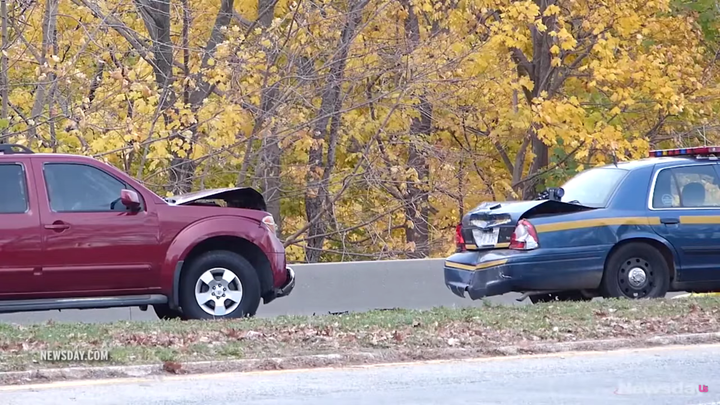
<point x="635" y="271"/>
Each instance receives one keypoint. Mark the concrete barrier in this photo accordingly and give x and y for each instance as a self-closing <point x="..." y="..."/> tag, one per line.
<point x="362" y="286"/>
<point x="322" y="288"/>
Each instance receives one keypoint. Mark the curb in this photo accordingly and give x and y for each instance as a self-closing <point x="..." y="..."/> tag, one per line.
<point x="346" y="359"/>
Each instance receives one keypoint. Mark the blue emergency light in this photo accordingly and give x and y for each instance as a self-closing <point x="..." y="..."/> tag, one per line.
<point x="700" y="150"/>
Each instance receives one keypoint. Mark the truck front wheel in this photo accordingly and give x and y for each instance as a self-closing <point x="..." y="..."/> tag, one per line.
<point x="219" y="284"/>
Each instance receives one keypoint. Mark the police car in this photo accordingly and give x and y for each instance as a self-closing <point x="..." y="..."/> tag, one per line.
<point x="637" y="229"/>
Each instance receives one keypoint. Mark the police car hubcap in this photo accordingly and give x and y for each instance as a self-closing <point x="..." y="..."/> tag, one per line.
<point x="637" y="276"/>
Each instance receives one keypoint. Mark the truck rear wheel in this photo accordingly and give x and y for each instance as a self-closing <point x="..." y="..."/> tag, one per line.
<point x="164" y="312"/>
<point x="219" y="284"/>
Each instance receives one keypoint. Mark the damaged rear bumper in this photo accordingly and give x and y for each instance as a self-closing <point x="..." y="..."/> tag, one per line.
<point x="484" y="279"/>
<point x="479" y="274"/>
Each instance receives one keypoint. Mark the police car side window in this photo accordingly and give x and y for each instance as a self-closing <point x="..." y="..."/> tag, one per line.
<point x="666" y="194"/>
<point x="687" y="187"/>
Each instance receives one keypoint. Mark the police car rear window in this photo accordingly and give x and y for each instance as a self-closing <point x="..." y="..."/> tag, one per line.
<point x="594" y="187"/>
<point x="690" y="186"/>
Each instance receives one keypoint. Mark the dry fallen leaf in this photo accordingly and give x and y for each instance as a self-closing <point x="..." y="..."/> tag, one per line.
<point x="172" y="367"/>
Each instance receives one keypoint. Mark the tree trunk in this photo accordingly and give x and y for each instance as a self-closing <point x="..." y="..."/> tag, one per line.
<point x="545" y="79"/>
<point x="156" y="16"/>
<point x="316" y="195"/>
<point x="270" y="154"/>
<point x="416" y="197"/>
<point x="416" y="203"/>
<point x="544" y="75"/>
<point x="41" y="90"/>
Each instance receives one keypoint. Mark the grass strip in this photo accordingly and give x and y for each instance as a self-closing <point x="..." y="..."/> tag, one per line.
<point x="22" y="346"/>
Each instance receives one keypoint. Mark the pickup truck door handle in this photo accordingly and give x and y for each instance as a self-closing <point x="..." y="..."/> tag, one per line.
<point x="670" y="221"/>
<point x="58" y="226"/>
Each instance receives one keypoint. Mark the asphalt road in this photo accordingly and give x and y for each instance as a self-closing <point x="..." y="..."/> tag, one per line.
<point x="323" y="288"/>
<point x="650" y="377"/>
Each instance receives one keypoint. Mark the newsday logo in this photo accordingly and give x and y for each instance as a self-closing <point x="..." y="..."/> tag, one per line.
<point x="661" y="389"/>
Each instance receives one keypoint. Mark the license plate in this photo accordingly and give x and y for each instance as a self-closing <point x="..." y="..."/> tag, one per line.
<point x="486" y="238"/>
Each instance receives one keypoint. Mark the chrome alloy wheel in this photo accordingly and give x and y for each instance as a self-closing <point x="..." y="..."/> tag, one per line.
<point x="218" y="291"/>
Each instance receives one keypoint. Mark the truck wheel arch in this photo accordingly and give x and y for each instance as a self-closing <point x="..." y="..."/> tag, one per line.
<point x="185" y="247"/>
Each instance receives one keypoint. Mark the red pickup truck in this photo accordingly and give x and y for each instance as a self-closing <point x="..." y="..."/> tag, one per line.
<point x="76" y="233"/>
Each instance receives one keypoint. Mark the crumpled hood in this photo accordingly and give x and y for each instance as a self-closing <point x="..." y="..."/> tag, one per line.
<point x="236" y="197"/>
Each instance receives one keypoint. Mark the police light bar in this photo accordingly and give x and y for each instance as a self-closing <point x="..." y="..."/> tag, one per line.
<point x="700" y="150"/>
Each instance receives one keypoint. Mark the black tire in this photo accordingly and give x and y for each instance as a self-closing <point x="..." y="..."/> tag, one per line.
<point x="222" y="259"/>
<point x="164" y="312"/>
<point x="559" y="296"/>
<point x="618" y="280"/>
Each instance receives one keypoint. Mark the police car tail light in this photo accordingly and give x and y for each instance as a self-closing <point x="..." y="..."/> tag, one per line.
<point x="524" y="237"/>
<point x="459" y="240"/>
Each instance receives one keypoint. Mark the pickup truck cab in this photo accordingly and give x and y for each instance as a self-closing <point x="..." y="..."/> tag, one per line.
<point x="76" y="233"/>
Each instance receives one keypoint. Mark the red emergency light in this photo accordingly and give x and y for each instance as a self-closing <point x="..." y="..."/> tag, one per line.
<point x="700" y="150"/>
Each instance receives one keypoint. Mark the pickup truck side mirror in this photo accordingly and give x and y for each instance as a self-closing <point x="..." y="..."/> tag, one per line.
<point x="130" y="199"/>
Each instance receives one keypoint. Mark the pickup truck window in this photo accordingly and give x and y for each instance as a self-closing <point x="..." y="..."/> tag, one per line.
<point x="13" y="195"/>
<point x="82" y="188"/>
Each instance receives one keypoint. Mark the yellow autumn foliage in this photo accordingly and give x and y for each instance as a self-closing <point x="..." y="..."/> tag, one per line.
<point x="497" y="81"/>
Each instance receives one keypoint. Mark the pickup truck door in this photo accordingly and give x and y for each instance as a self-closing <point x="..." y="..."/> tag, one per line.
<point x="94" y="244"/>
<point x="20" y="238"/>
